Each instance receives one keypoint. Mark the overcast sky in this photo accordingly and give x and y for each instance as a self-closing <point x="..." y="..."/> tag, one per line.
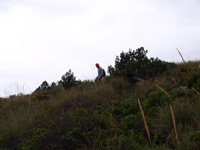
<point x="42" y="39"/>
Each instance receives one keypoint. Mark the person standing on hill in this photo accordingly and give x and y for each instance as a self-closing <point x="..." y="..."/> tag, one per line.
<point x="101" y="73"/>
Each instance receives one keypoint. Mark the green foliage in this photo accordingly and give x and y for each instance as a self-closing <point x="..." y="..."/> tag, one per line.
<point x="39" y="95"/>
<point x="135" y="64"/>
<point x="194" y="138"/>
<point x="34" y="141"/>
<point x="68" y="79"/>
<point x="155" y="99"/>
<point x="193" y="81"/>
<point x="185" y="116"/>
<point x="120" y="86"/>
<point x="106" y="115"/>
<point x="74" y="139"/>
<point x="43" y="86"/>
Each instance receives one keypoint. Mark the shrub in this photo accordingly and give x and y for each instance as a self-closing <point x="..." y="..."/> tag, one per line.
<point x="68" y="80"/>
<point x="135" y="64"/>
<point x="155" y="99"/>
<point x="194" y="139"/>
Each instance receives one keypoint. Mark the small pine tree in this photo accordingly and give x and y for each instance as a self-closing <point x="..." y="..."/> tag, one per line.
<point x="43" y="86"/>
<point x="136" y="64"/>
<point x="68" y="79"/>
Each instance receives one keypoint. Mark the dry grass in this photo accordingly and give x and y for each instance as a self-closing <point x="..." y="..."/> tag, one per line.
<point x="145" y="123"/>
<point x="163" y="91"/>
<point x="18" y="115"/>
<point x="184" y="62"/>
<point x="187" y="69"/>
<point x="196" y="91"/>
<point x="156" y="85"/>
<point x="175" y="130"/>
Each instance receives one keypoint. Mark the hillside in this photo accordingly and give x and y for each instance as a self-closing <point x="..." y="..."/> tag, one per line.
<point x="107" y="114"/>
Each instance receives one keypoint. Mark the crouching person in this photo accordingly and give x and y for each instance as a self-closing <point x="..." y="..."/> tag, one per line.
<point x="101" y="73"/>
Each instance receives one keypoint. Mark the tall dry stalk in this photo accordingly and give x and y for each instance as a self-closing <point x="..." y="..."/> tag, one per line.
<point x="187" y="70"/>
<point x="145" y="123"/>
<point x="163" y="91"/>
<point x="157" y="87"/>
<point x="184" y="62"/>
<point x="196" y="91"/>
<point x="175" y="130"/>
<point x="140" y="79"/>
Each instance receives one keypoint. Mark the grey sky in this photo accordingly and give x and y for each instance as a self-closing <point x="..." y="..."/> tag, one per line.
<point x="42" y="39"/>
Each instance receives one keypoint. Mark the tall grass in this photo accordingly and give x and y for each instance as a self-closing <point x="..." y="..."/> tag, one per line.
<point x="189" y="74"/>
<point x="103" y="115"/>
<point x="156" y="85"/>
<point x="18" y="116"/>
<point x="184" y="62"/>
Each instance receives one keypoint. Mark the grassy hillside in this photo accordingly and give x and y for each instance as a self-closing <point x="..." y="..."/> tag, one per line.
<point x="107" y="115"/>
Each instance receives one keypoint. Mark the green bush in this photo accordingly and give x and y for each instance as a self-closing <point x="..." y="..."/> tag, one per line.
<point x="155" y="99"/>
<point x="35" y="140"/>
<point x="194" y="139"/>
<point x="135" y="64"/>
<point x="106" y="115"/>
